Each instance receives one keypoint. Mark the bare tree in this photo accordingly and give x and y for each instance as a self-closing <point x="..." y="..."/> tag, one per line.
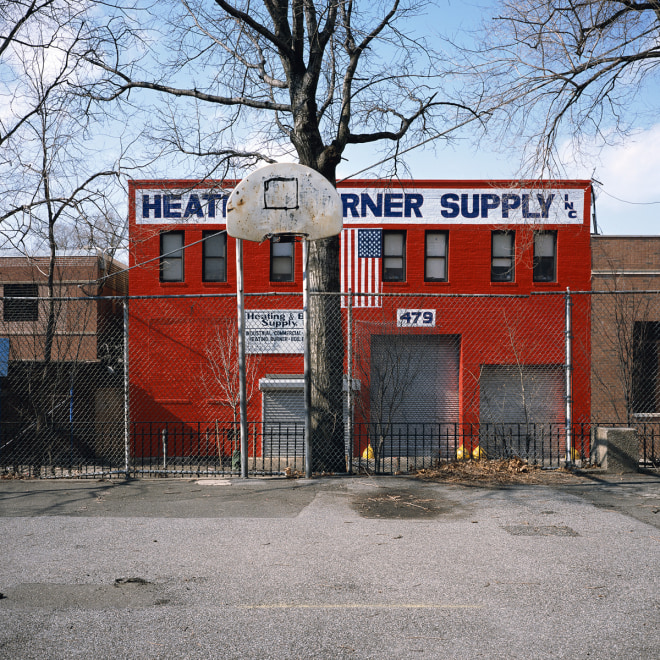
<point x="624" y="371"/>
<point x="569" y="69"/>
<point x="219" y="375"/>
<point x="242" y="82"/>
<point x="53" y="181"/>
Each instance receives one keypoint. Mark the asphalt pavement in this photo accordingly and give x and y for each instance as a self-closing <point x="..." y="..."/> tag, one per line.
<point x="388" y="567"/>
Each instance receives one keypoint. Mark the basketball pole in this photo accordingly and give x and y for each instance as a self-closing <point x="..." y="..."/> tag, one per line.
<point x="241" y="358"/>
<point x="306" y="359"/>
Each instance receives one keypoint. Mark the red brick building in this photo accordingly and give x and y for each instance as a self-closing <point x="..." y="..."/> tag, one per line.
<point x="490" y="349"/>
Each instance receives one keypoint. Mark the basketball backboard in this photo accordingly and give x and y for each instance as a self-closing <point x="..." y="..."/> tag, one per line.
<point x="284" y="198"/>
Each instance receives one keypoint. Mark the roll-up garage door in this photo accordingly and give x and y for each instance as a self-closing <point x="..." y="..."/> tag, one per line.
<point x="284" y="422"/>
<point x="414" y="392"/>
<point x="284" y="416"/>
<point x="522" y="408"/>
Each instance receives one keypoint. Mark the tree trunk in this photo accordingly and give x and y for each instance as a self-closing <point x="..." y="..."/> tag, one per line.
<point x="327" y="358"/>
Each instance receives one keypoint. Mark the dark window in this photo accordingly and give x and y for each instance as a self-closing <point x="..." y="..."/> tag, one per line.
<point x="282" y="252"/>
<point x="214" y="256"/>
<point x="435" y="256"/>
<point x="645" y="395"/>
<point x="502" y="264"/>
<point x="171" y="256"/>
<point x="394" y="256"/>
<point x="545" y="256"/>
<point x="21" y="310"/>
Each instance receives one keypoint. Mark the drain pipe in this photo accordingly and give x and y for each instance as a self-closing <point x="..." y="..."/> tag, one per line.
<point x="569" y="372"/>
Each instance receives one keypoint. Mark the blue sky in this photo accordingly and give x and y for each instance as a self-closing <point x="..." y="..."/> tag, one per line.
<point x="628" y="192"/>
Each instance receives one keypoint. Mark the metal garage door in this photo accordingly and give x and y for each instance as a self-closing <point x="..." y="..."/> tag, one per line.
<point x="413" y="394"/>
<point x="522" y="409"/>
<point x="284" y="416"/>
<point x="284" y="422"/>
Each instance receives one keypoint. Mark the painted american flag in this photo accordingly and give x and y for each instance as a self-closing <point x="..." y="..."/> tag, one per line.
<point x="361" y="251"/>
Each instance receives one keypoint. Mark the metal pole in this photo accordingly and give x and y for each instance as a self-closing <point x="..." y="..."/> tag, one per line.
<point x="126" y="390"/>
<point x="241" y="358"/>
<point x="569" y="369"/>
<point x="71" y="424"/>
<point x="349" y="378"/>
<point x="306" y="367"/>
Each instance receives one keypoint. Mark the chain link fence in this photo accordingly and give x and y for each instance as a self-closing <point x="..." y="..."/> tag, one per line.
<point x="150" y="385"/>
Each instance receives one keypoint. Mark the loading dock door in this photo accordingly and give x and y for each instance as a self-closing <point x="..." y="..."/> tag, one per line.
<point x="284" y="422"/>
<point x="522" y="409"/>
<point x="284" y="415"/>
<point x="413" y="393"/>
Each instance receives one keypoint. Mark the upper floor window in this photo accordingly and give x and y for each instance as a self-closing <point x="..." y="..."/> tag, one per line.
<point x="435" y="256"/>
<point x="171" y="256"/>
<point x="282" y="259"/>
<point x="545" y="256"/>
<point x="214" y="256"/>
<point x="394" y="256"/>
<point x="20" y="310"/>
<point x="502" y="263"/>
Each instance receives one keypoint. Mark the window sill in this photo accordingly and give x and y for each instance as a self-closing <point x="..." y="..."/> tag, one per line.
<point x="209" y="285"/>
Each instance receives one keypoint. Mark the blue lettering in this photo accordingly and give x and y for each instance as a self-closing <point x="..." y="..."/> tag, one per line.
<point x="393" y="205"/>
<point x="449" y="201"/>
<point x="464" y="206"/>
<point x="413" y="203"/>
<point x="212" y="199"/>
<point x="509" y="203"/>
<point x="170" y="205"/>
<point x="367" y="202"/>
<point x="525" y="208"/>
<point x="194" y="207"/>
<point x="545" y="205"/>
<point x="146" y="206"/>
<point x="488" y="202"/>
<point x="350" y="202"/>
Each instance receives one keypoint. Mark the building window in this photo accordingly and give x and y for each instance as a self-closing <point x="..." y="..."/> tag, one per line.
<point x="642" y="366"/>
<point x="503" y="250"/>
<point x="171" y="256"/>
<point x="435" y="256"/>
<point x="214" y="256"/>
<point x="394" y="256"/>
<point x="282" y="259"/>
<point x="21" y="310"/>
<point x="545" y="256"/>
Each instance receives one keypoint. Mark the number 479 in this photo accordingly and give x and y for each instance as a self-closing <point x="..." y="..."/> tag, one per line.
<point x="416" y="317"/>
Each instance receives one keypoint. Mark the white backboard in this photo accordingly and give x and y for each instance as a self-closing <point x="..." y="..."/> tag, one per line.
<point x="284" y="198"/>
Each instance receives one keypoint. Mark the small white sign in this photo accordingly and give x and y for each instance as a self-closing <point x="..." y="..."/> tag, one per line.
<point x="274" y="331"/>
<point x="415" y="318"/>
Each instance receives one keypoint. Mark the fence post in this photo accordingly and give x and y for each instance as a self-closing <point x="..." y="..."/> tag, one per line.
<point x="349" y="377"/>
<point x="568" y="372"/>
<point x="306" y="368"/>
<point x="241" y="358"/>
<point x="126" y="390"/>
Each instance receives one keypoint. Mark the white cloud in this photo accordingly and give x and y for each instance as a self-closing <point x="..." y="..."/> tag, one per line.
<point x="629" y="172"/>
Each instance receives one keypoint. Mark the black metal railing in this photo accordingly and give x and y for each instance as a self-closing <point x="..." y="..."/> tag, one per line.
<point x="206" y="448"/>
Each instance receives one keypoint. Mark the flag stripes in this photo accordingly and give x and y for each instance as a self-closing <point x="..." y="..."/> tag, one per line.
<point x="361" y="265"/>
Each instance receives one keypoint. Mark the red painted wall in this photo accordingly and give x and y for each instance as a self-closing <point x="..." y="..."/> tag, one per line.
<point x="164" y="372"/>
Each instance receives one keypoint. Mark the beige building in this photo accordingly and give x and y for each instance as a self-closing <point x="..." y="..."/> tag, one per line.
<point x="625" y="329"/>
<point x="62" y="396"/>
<point x="73" y="329"/>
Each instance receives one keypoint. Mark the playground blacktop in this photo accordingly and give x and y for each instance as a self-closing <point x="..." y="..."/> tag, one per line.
<point x="359" y="567"/>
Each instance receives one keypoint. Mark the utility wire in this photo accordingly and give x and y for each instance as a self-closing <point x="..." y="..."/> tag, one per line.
<point x="148" y="261"/>
<point x="625" y="201"/>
